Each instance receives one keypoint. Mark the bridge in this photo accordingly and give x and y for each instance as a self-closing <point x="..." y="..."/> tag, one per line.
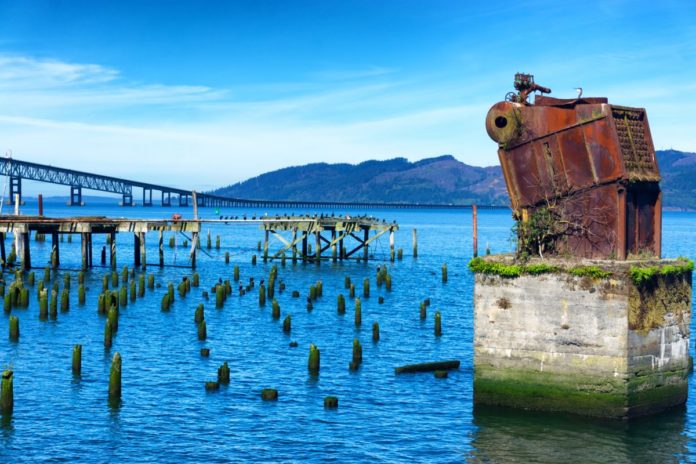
<point x="18" y="170"/>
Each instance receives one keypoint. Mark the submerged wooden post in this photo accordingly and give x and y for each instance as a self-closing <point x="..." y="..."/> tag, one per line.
<point x="115" y="378"/>
<point x="77" y="360"/>
<point x="287" y="324"/>
<point x="143" y="249"/>
<point x="474" y="220"/>
<point x="6" y="394"/>
<point x="438" y="324"/>
<point x="318" y="243"/>
<point x="375" y="332"/>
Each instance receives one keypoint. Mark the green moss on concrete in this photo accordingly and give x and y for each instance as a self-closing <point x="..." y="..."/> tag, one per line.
<point x="593" y="272"/>
<point x="578" y="394"/>
<point x="514" y="269"/>
<point x="644" y="275"/>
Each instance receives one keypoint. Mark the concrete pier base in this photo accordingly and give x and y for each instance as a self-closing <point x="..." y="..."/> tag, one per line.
<point x="597" y="338"/>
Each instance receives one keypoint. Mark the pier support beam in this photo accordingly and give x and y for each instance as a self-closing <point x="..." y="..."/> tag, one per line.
<point x="366" y="249"/>
<point x="112" y="254"/>
<point x="15" y="190"/>
<point x="75" y="196"/>
<point x="84" y="242"/>
<point x="147" y="196"/>
<point x="166" y="198"/>
<point x="55" y="249"/>
<point x="183" y="200"/>
<point x="136" y="250"/>
<point x="265" y="246"/>
<point x="26" y="255"/>
<point x="2" y="249"/>
<point x="127" y="199"/>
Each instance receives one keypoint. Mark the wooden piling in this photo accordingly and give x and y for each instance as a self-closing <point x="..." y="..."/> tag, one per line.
<point x="115" y="378"/>
<point x="123" y="297"/>
<point x="199" y="315"/>
<point x="14" y="328"/>
<point x="151" y="282"/>
<point x="224" y="374"/>
<point x="65" y="300"/>
<point x="53" y="306"/>
<point x="43" y="305"/>
<point x="275" y="312"/>
<point x="77" y="360"/>
<point x="358" y="312"/>
<point x="444" y="273"/>
<point x="314" y="361"/>
<point x="132" y="291"/>
<point x="269" y="394"/>
<point x="262" y="295"/>
<point x="7" y="393"/>
<point x="357" y="355"/>
<point x="330" y="402"/>
<point x="220" y="296"/>
<point x="202" y="330"/>
<point x="287" y="324"/>
<point x="81" y="294"/>
<point x="366" y="288"/>
<point x="166" y="303"/>
<point x="112" y="317"/>
<point x="351" y="292"/>
<point x="438" y="324"/>
<point x="108" y="334"/>
<point x="341" y="304"/>
<point x="423" y="312"/>
<point x="141" y="285"/>
<point x="217" y="242"/>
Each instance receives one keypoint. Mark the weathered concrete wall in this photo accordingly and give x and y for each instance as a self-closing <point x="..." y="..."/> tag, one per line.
<point x="559" y="342"/>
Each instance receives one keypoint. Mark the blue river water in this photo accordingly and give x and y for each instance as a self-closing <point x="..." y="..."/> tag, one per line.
<point x="166" y="415"/>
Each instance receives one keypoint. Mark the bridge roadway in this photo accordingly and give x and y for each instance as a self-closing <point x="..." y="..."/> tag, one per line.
<point x="18" y="170"/>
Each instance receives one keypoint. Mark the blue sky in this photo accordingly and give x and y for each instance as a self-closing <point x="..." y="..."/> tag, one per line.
<point x="203" y="94"/>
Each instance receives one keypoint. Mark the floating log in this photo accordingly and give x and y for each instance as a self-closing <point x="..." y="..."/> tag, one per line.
<point x="427" y="367"/>
<point x="77" y="360"/>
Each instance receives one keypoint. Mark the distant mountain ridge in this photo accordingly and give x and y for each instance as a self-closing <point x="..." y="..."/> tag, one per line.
<point x="439" y="180"/>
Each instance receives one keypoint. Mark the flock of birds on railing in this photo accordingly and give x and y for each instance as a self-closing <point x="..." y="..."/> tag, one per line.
<point x="279" y="217"/>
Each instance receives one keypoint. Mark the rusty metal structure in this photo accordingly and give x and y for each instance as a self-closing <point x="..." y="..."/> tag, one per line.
<point x="584" y="168"/>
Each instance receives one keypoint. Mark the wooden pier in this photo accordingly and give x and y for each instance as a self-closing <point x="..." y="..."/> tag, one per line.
<point x="343" y="237"/>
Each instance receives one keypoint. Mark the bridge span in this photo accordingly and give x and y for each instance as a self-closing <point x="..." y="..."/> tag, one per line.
<point x="18" y="170"/>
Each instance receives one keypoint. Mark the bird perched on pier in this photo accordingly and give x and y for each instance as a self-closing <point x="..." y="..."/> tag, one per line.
<point x="579" y="91"/>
